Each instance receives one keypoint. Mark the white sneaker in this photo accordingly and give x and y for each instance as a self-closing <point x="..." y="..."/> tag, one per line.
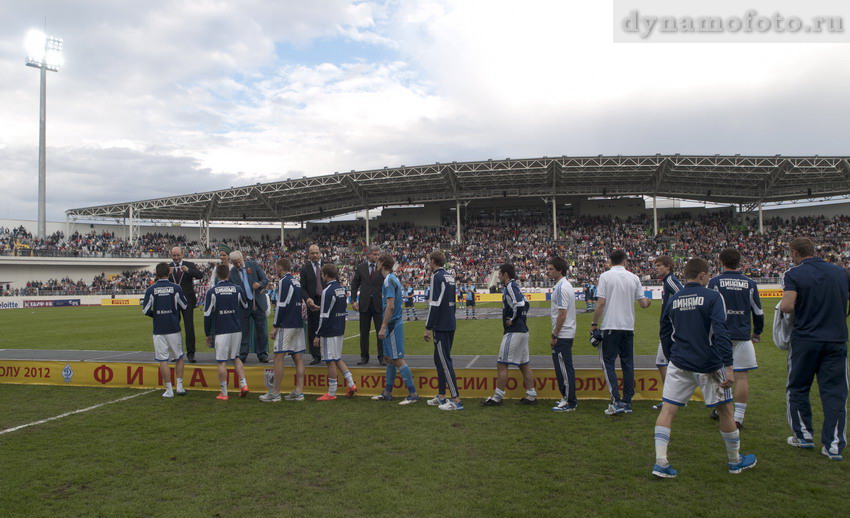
<point x="168" y="393"/>
<point x="451" y="405"/>
<point x="268" y="397"/>
<point x="409" y="400"/>
<point x="294" y="396"/>
<point x="436" y="401"/>
<point x="180" y="392"/>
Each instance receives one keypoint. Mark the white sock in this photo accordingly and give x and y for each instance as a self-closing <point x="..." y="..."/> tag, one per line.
<point x="531" y="393"/>
<point x="180" y="384"/>
<point x="168" y="387"/>
<point x="499" y="394"/>
<point x="243" y="382"/>
<point x="349" y="379"/>
<point x="740" y="410"/>
<point x="332" y="386"/>
<point x="223" y="388"/>
<point x="662" y="440"/>
<point x="733" y="445"/>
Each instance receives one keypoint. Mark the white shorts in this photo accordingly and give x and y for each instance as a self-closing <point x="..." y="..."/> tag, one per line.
<point x="679" y="386"/>
<point x="514" y="349"/>
<point x="290" y="340"/>
<point x="168" y="347"/>
<point x="331" y="348"/>
<point x="743" y="356"/>
<point x="227" y="346"/>
<point x="660" y="359"/>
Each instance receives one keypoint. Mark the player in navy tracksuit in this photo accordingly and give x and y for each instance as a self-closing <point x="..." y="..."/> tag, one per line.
<point x="163" y="302"/>
<point x="696" y="341"/>
<point x="514" y="347"/>
<point x="745" y="320"/>
<point x="223" y="327"/>
<point x="332" y="313"/>
<point x="816" y="292"/>
<point x="669" y="286"/>
<point x="441" y="322"/>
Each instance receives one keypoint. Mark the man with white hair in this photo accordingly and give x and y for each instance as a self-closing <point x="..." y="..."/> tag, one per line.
<point x="250" y="277"/>
<point x="183" y="273"/>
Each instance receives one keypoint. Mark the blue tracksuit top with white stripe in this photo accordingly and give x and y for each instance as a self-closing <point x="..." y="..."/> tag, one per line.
<point x="670" y="285"/>
<point x="514" y="307"/>
<point x="334" y="310"/>
<point x="441" y="302"/>
<point x="741" y="296"/>
<point x="163" y="302"/>
<point x="693" y="330"/>
<point x="819" y="310"/>
<point x="287" y="312"/>
<point x="221" y="309"/>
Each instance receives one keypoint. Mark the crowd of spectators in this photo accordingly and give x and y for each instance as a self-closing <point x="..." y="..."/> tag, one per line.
<point x="522" y="238"/>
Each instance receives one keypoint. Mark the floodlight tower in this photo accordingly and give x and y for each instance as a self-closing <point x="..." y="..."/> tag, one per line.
<point x="45" y="53"/>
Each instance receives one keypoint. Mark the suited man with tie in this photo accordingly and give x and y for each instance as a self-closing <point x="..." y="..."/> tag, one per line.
<point x="183" y="273"/>
<point x="368" y="281"/>
<point x="251" y="279"/>
<point x="311" y="291"/>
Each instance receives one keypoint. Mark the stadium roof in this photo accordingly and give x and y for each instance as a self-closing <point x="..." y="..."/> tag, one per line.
<point x="746" y="180"/>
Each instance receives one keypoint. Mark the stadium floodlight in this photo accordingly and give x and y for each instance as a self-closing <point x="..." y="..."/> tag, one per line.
<point x="45" y="53"/>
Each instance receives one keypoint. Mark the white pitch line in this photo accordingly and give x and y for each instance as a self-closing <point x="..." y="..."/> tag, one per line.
<point x="468" y="365"/>
<point x="80" y="411"/>
<point x="96" y="358"/>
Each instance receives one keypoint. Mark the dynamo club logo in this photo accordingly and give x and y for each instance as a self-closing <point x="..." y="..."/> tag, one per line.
<point x="268" y="378"/>
<point x="67" y="373"/>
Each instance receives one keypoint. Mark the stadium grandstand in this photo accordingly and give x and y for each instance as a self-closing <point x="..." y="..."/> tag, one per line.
<point x="481" y="213"/>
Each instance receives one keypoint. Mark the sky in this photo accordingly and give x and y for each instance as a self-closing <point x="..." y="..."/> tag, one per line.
<point x="159" y="97"/>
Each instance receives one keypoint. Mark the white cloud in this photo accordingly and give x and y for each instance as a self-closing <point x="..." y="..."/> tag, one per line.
<point x="166" y="97"/>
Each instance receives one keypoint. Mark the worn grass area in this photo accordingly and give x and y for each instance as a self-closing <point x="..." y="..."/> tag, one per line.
<point x="195" y="456"/>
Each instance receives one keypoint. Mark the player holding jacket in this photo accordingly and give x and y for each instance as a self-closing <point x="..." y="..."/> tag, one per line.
<point x="696" y="341"/>
<point x="741" y="296"/>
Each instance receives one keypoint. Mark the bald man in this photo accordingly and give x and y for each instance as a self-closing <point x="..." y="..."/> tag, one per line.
<point x="184" y="273"/>
<point x="311" y="290"/>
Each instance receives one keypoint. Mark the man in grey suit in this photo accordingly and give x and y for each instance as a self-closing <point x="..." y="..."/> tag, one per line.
<point x="367" y="282"/>
<point x="251" y="279"/>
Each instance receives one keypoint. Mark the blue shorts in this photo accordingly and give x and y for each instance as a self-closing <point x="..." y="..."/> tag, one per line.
<point x="394" y="342"/>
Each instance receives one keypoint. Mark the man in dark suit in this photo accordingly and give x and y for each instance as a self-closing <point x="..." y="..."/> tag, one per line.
<point x="251" y="279"/>
<point x="311" y="290"/>
<point x="368" y="281"/>
<point x="183" y="273"/>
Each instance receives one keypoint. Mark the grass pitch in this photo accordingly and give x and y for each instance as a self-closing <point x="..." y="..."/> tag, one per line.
<point x="195" y="456"/>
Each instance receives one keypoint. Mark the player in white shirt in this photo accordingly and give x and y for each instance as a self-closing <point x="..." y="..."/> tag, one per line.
<point x="617" y="291"/>
<point x="563" y="332"/>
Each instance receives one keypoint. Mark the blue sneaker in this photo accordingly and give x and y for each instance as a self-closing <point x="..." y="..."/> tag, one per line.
<point x="627" y="408"/>
<point x="658" y="406"/>
<point x="797" y="443"/>
<point x="451" y="405"/>
<point x="664" y="471"/>
<point x="615" y="409"/>
<point x="383" y="396"/>
<point x="832" y="456"/>
<point x="564" y="406"/>
<point x="409" y="400"/>
<point x="746" y="462"/>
